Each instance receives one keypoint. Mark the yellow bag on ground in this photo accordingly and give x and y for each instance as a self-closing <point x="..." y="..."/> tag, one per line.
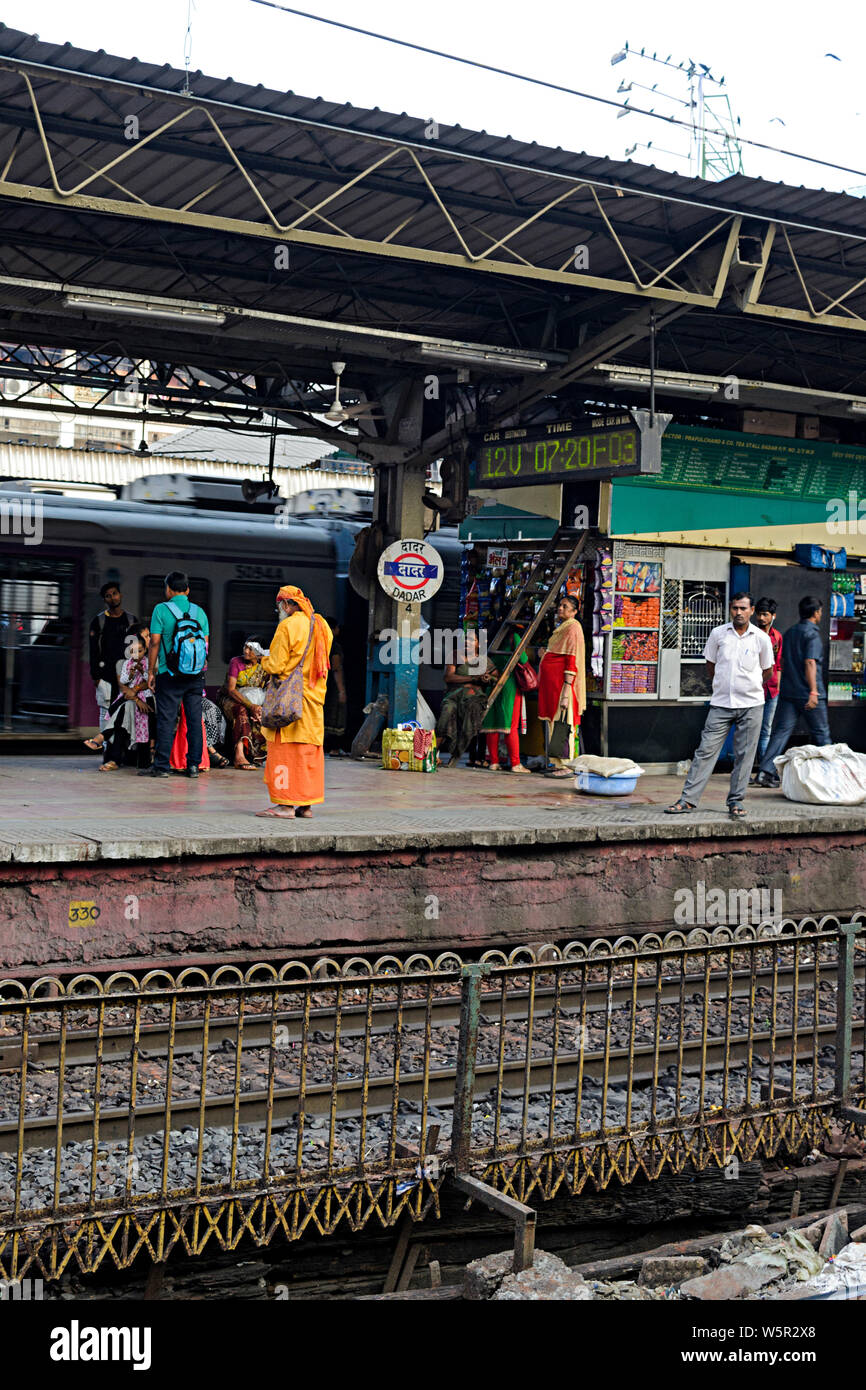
<point x="398" y="752"/>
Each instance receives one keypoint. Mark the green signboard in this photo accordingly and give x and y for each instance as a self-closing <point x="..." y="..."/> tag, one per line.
<point x="759" y="465"/>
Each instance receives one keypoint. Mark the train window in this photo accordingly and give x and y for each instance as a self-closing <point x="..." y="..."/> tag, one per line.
<point x="250" y="611"/>
<point x="153" y="592"/>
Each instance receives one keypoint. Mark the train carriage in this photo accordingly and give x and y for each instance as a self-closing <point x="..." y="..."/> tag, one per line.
<point x="56" y="551"/>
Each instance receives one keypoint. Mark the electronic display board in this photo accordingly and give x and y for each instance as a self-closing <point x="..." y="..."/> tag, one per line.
<point x="556" y="452"/>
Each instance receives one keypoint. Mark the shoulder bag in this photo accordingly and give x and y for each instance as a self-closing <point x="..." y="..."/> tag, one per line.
<point x="284" y="699"/>
<point x="525" y="677"/>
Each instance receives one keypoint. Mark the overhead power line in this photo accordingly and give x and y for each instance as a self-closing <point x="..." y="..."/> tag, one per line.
<point x="552" y="86"/>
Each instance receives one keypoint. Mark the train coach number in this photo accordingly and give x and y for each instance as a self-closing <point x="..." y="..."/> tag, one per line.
<point x="80" y="912"/>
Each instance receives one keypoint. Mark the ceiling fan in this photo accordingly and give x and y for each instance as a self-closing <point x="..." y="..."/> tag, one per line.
<point x="340" y="414"/>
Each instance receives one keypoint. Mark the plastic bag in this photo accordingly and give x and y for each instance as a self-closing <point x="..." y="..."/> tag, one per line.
<point x="842" y="1277"/>
<point x="834" y="775"/>
<point x="423" y="713"/>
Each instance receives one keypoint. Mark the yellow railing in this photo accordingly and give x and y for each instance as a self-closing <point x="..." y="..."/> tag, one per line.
<point x="146" y="1114"/>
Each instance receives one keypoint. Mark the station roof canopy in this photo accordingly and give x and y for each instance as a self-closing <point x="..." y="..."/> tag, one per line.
<point x="263" y="233"/>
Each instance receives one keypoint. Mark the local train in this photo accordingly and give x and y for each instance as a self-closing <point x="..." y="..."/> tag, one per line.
<point x="57" y="551"/>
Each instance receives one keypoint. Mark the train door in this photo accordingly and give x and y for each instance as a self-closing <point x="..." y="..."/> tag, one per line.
<point x="37" y="597"/>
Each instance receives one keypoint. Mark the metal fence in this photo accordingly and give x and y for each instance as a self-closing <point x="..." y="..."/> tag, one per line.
<point x="141" y="1115"/>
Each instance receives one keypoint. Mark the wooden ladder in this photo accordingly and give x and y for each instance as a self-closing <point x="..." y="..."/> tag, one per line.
<point x="562" y="538"/>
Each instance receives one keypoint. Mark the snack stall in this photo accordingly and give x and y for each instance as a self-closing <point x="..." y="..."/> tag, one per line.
<point x="646" y="611"/>
<point x="724" y="510"/>
<point x="653" y="608"/>
<point x="493" y="576"/>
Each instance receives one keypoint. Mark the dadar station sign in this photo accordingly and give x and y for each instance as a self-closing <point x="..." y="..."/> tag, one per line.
<point x="410" y="571"/>
<point x="561" y="451"/>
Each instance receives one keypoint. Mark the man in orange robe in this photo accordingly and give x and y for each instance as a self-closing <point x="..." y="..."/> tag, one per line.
<point x="295" y="767"/>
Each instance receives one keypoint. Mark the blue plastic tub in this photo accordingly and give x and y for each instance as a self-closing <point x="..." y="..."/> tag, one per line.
<point x="619" y="785"/>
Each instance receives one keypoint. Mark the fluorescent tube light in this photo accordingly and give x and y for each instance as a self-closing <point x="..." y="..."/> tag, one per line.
<point x="484" y="357"/>
<point x="665" y="385"/>
<point x="198" y="318"/>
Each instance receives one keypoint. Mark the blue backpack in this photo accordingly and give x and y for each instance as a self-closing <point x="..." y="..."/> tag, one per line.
<point x="186" y="654"/>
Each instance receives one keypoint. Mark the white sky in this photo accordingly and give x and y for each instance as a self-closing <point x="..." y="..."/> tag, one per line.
<point x="771" y="54"/>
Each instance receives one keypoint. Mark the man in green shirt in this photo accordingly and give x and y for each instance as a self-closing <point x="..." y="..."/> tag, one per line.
<point x="177" y="659"/>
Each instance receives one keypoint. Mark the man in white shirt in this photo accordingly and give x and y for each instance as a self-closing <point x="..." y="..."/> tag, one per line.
<point x="739" y="658"/>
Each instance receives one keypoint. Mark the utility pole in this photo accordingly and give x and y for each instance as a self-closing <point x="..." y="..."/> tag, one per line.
<point x="714" y="147"/>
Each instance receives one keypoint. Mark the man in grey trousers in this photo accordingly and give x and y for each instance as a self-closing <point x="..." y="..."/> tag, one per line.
<point x="739" y="658"/>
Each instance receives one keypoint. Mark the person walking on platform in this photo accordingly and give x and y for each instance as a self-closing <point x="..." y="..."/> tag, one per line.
<point x="177" y="660"/>
<point x="739" y="659"/>
<point x="801" y="690"/>
<point x="295" y="767"/>
<point x="108" y="633"/>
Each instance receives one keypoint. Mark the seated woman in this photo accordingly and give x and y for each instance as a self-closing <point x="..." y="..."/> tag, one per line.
<point x="214" y="731"/>
<point x="240" y="700"/>
<point x="132" y="711"/>
<point x="462" y="709"/>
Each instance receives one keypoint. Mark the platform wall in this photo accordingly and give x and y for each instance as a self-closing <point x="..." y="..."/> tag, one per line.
<point x="88" y="913"/>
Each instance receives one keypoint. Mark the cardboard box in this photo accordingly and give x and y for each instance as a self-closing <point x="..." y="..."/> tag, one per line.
<point x="778" y="422"/>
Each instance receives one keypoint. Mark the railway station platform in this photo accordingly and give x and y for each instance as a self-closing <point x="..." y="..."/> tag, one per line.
<point x="105" y="870"/>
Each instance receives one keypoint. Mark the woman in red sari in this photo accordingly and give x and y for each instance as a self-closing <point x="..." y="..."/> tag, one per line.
<point x="562" y="679"/>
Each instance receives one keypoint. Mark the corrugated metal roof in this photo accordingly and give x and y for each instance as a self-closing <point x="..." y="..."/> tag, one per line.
<point x="207" y="443"/>
<point x="779" y="200"/>
<point x="114" y="469"/>
<point x="301" y="148"/>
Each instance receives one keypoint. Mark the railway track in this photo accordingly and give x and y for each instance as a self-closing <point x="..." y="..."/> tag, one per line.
<point x="154" y="1039"/>
<point x="375" y="1095"/>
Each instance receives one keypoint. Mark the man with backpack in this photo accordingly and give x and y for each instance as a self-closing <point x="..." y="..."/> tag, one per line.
<point x="177" y="660"/>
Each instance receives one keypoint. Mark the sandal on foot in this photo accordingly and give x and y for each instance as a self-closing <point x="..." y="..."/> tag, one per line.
<point x="680" y="808"/>
<point x="559" y="773"/>
<point x="736" y="813"/>
<point x="303" y="812"/>
<point x="278" y="813"/>
<point x="108" y="767"/>
<point x="93" y="745"/>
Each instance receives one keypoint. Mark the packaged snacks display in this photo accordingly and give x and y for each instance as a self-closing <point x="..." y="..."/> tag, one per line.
<point x="629" y="611"/>
<point x="638" y="576"/>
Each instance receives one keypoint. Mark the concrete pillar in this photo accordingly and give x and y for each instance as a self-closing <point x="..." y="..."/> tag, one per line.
<point x="398" y="506"/>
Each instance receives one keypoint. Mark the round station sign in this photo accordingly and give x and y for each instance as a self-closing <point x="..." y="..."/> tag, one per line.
<point x="410" y="571"/>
